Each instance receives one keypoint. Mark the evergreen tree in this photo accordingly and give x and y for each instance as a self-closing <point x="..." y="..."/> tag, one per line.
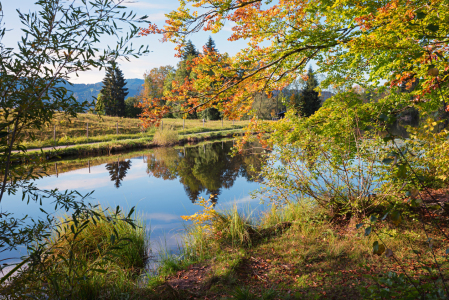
<point x="189" y="51"/>
<point x="210" y="45"/>
<point x="114" y="92"/>
<point x="183" y="72"/>
<point x="310" y="101"/>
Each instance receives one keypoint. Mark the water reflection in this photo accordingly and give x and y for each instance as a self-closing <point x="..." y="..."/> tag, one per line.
<point x="118" y="170"/>
<point x="208" y="168"/>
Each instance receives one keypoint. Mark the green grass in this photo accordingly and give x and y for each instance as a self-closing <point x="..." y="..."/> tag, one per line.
<point x="308" y="258"/>
<point x="73" y="131"/>
<point x="92" y="259"/>
<point x="116" y="146"/>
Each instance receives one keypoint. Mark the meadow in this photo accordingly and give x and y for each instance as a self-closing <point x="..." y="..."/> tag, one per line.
<point x="91" y="128"/>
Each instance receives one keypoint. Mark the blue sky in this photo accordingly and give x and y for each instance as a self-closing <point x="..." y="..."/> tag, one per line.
<point x="162" y="53"/>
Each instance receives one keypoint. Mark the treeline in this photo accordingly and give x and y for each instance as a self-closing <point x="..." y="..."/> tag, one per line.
<point x="300" y="96"/>
<point x="161" y="80"/>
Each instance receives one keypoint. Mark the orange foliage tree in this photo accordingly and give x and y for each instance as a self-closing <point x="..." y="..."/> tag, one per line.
<point x="353" y="42"/>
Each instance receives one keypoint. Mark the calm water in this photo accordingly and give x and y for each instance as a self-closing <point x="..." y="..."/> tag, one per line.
<point x="162" y="184"/>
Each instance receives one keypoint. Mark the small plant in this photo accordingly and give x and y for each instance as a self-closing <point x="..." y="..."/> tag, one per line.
<point x="391" y="285"/>
<point x="244" y="293"/>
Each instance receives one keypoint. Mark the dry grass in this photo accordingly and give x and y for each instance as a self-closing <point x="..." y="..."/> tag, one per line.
<point x="165" y="137"/>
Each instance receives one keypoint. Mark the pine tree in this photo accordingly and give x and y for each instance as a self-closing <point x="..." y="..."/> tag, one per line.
<point x="210" y="45"/>
<point x="114" y="92"/>
<point x="183" y="72"/>
<point x="310" y="101"/>
<point x="189" y="51"/>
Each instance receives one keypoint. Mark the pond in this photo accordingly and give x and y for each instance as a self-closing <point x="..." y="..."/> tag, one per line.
<point x="162" y="184"/>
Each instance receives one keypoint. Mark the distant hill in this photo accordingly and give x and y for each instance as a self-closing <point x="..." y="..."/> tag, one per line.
<point x="83" y="92"/>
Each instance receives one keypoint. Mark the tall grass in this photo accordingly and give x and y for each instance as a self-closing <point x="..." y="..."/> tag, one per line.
<point x="165" y="137"/>
<point x="99" y="256"/>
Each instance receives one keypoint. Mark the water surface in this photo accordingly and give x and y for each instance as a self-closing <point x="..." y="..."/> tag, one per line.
<point x="162" y="184"/>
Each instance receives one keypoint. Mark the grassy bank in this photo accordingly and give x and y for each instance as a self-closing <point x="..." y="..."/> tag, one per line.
<point x="293" y="252"/>
<point x="289" y="252"/>
<point x="116" y="146"/>
<point x="63" y="132"/>
<point x="95" y="257"/>
<point x="71" y="164"/>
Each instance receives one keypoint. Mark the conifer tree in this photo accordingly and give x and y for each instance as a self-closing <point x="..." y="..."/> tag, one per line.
<point x="183" y="72"/>
<point x="310" y="101"/>
<point x="189" y="51"/>
<point x="210" y="45"/>
<point x="114" y="92"/>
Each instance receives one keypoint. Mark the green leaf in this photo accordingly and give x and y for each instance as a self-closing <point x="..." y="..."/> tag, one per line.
<point x="433" y="27"/>
<point x="396" y="217"/>
<point x="373" y="219"/>
<point x="375" y="246"/>
<point x="359" y="225"/>
<point x="402" y="171"/>
<point x="420" y="15"/>
<point x="99" y="271"/>
<point x="387" y="161"/>
<point x="367" y="231"/>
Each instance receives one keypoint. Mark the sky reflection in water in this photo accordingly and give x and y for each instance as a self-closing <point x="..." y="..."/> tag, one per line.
<point x="162" y="184"/>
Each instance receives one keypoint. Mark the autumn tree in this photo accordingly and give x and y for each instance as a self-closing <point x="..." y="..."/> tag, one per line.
<point x="378" y="45"/>
<point x="155" y="79"/>
<point x="210" y="113"/>
<point x="183" y="75"/>
<point x="353" y="42"/>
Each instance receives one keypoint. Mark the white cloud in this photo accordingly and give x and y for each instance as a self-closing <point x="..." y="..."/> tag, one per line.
<point x="78" y="184"/>
<point x="161" y="217"/>
<point x="145" y="5"/>
<point x="160" y="16"/>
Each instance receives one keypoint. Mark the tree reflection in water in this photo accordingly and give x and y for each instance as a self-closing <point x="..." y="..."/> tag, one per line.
<point x="117" y="171"/>
<point x="208" y="168"/>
